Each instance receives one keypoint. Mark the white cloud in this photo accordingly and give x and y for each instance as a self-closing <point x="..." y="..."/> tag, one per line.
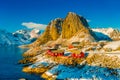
<point x="34" y="25"/>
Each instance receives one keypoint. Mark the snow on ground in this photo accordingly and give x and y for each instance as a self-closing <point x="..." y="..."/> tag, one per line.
<point x="113" y="53"/>
<point x="41" y="60"/>
<point x="113" y="45"/>
<point x="37" y="64"/>
<point x="85" y="72"/>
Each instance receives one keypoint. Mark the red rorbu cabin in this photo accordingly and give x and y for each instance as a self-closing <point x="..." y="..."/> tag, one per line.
<point x="55" y="53"/>
<point x="80" y="55"/>
<point x="70" y="46"/>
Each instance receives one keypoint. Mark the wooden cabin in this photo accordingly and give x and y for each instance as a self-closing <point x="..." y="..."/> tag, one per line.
<point x="57" y="46"/>
<point x="75" y="43"/>
<point x="80" y="55"/>
<point x="55" y="52"/>
<point x="70" y="46"/>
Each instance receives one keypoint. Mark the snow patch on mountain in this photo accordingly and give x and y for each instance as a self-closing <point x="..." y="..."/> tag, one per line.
<point x="107" y="33"/>
<point x="19" y="37"/>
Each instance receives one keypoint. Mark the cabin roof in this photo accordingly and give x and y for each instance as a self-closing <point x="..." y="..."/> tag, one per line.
<point x="75" y="42"/>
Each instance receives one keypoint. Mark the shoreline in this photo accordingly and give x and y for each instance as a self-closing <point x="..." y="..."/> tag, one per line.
<point x="24" y="46"/>
<point x="46" y="61"/>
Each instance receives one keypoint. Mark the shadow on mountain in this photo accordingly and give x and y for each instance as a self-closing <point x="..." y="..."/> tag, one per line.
<point x="102" y="36"/>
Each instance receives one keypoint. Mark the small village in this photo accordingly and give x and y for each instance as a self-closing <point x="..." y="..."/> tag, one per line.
<point x="45" y="59"/>
<point x="69" y="49"/>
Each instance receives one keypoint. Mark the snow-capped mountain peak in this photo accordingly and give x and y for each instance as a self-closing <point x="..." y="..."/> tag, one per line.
<point x="113" y="34"/>
<point x="18" y="38"/>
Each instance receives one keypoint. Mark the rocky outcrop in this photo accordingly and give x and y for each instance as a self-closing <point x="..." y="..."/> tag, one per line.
<point x="56" y="28"/>
<point x="72" y="24"/>
<point x="103" y="60"/>
<point x="76" y="28"/>
<point x="52" y="32"/>
<point x="72" y="28"/>
<point x="115" y="34"/>
<point x="43" y="38"/>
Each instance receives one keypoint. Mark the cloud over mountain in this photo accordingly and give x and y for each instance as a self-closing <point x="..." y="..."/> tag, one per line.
<point x="34" y="25"/>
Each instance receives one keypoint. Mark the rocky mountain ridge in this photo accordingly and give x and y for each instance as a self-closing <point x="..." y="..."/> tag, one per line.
<point x="70" y="27"/>
<point x="52" y="32"/>
<point x="19" y="37"/>
<point x="107" y="33"/>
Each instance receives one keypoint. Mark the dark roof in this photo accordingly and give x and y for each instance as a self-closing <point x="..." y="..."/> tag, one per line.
<point x="75" y="42"/>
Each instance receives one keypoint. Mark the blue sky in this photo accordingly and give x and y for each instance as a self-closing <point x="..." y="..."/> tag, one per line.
<point x="101" y="13"/>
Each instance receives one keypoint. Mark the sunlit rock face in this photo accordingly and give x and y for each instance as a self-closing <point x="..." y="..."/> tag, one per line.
<point x="77" y="28"/>
<point x="52" y="32"/>
<point x="73" y="28"/>
<point x="56" y="28"/>
<point x="72" y="24"/>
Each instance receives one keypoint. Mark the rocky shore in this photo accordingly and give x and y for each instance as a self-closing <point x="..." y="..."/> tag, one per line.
<point x="93" y="66"/>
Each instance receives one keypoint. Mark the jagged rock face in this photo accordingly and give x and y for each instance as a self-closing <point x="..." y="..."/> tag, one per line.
<point x="52" y="32"/>
<point x="75" y="28"/>
<point x="71" y="28"/>
<point x="115" y="35"/>
<point x="72" y="24"/>
<point x="55" y="28"/>
<point x="46" y="36"/>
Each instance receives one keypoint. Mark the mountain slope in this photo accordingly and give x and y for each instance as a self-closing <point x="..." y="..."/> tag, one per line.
<point x="52" y="32"/>
<point x="107" y="33"/>
<point x="72" y="28"/>
<point x="7" y="38"/>
<point x="19" y="37"/>
<point x="76" y="28"/>
<point x="72" y="24"/>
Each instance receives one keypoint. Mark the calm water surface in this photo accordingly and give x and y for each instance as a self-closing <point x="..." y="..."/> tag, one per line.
<point x="9" y="69"/>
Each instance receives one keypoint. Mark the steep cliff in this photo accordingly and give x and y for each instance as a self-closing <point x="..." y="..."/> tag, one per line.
<point x="76" y="28"/>
<point x="72" y="24"/>
<point x="72" y="28"/>
<point x="56" y="28"/>
<point x="52" y="32"/>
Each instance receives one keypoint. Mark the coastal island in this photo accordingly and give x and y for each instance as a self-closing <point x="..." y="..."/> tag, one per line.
<point x="69" y="49"/>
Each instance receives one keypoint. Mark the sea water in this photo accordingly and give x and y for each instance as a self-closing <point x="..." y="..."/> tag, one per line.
<point x="9" y="67"/>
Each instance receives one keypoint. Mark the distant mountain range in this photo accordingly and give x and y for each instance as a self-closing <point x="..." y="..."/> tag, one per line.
<point x="19" y="37"/>
<point x="73" y="28"/>
<point x="107" y="33"/>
